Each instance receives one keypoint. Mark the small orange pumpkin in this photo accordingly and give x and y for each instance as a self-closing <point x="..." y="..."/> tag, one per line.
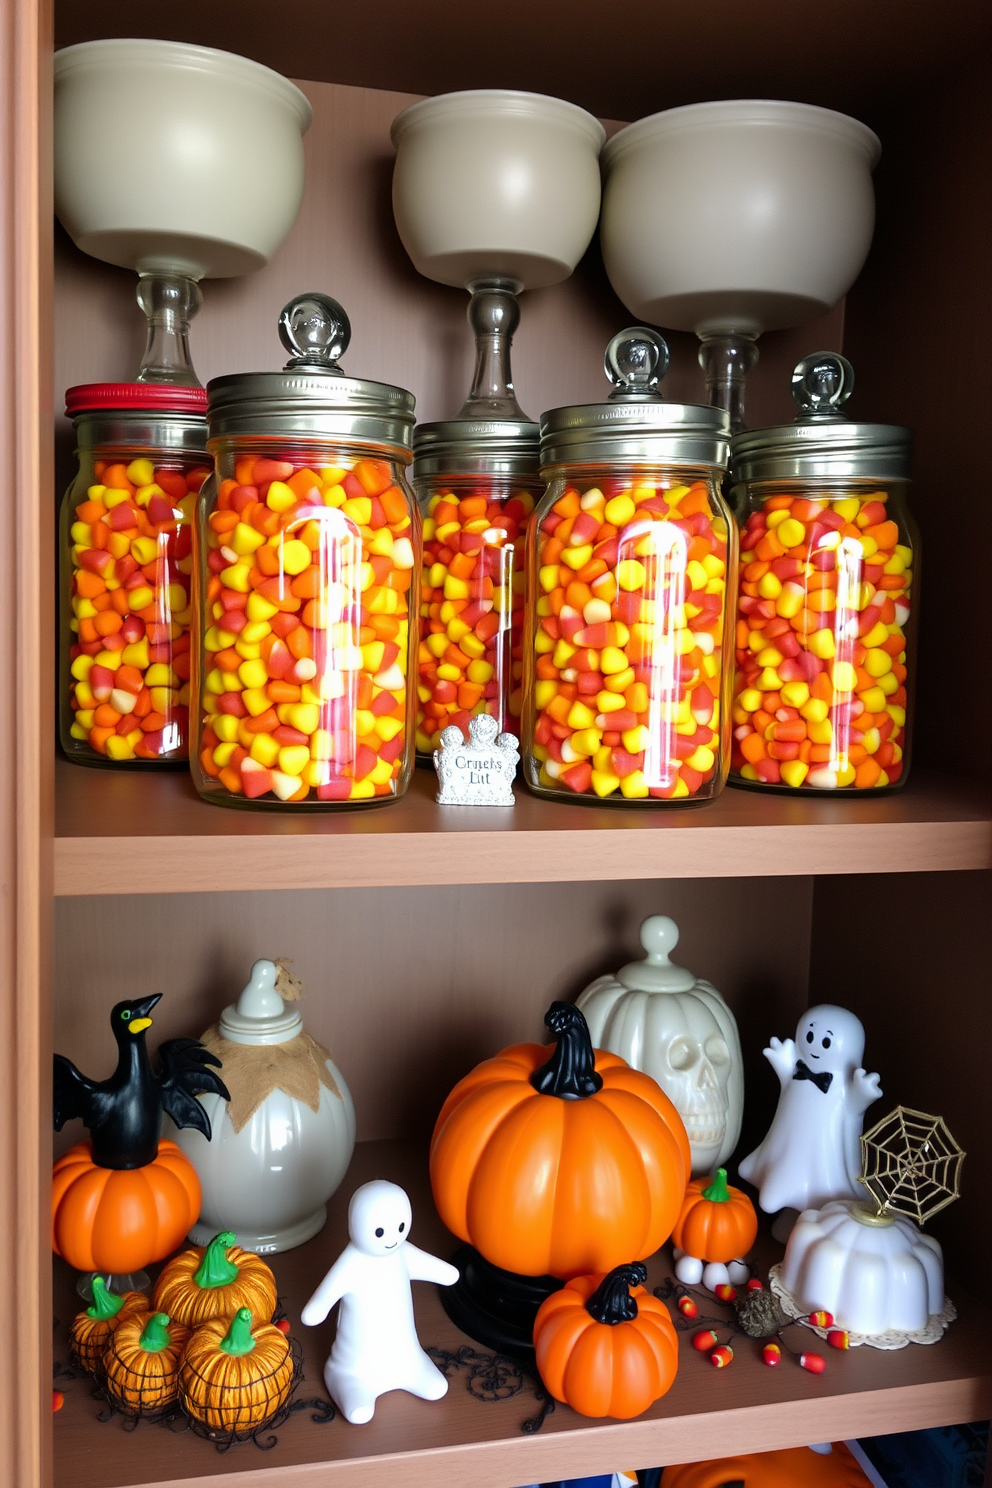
<point x="122" y="1219"/>
<point x="605" y="1346"/>
<point x="559" y="1160"/>
<point x="784" y="1469"/>
<point x="141" y="1365"/>
<point x="236" y="1376"/>
<point x="213" y="1283"/>
<point x="718" y="1222"/>
<point x="92" y="1328"/>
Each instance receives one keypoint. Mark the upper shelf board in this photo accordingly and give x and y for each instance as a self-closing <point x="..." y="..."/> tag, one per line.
<point x="622" y="62"/>
<point x="127" y="832"/>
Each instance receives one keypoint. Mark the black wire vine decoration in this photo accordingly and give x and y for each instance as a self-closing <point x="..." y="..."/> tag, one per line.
<point x="495" y="1377"/>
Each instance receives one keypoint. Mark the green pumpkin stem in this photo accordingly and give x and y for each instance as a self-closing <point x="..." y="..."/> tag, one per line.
<point x="104" y="1305"/>
<point x="570" y="1073"/>
<point x="238" y="1339"/>
<point x="611" y="1302"/>
<point x="215" y="1270"/>
<point x="718" y="1192"/>
<point x="155" y="1334"/>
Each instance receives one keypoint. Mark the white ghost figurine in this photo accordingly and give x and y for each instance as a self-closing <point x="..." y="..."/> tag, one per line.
<point x="812" y="1152"/>
<point x="376" y="1348"/>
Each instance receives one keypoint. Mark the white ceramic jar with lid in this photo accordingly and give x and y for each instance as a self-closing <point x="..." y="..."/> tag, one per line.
<point x="677" y="1028"/>
<point x="282" y="1144"/>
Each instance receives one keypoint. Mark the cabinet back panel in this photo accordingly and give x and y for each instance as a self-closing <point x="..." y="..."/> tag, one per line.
<point x="912" y="956"/>
<point x="409" y="988"/>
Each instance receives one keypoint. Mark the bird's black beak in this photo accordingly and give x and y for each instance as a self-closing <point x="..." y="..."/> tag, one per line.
<point x="139" y="1014"/>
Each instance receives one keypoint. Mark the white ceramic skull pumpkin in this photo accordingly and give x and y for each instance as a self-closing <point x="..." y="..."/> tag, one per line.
<point x="679" y="1030"/>
<point x="873" y="1272"/>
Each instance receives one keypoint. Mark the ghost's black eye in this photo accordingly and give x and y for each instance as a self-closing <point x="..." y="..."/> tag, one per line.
<point x="379" y="1233"/>
<point x="126" y="1016"/>
<point x="809" y="1037"/>
<point x="402" y="1228"/>
<point x="826" y="1043"/>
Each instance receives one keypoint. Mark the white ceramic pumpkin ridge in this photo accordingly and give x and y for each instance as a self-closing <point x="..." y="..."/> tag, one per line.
<point x="677" y="1028"/>
<point x="873" y="1277"/>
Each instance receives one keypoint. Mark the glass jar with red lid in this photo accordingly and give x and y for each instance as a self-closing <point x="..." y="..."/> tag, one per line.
<point x="126" y="564"/>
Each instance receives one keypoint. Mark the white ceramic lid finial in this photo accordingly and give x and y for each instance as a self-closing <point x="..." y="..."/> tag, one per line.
<point x="261" y="1016"/>
<point x="657" y="973"/>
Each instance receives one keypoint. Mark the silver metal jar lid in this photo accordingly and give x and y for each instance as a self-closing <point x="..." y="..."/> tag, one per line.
<point x="476" y="447"/>
<point x="822" y="443"/>
<point x="312" y="395"/>
<point x="636" y="423"/>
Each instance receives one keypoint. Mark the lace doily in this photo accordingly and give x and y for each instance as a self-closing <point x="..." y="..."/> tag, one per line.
<point x="893" y="1338"/>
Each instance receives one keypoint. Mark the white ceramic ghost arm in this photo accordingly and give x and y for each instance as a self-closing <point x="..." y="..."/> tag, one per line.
<point x="865" y="1090"/>
<point x="421" y="1266"/>
<point x="781" y="1055"/>
<point x="331" y="1290"/>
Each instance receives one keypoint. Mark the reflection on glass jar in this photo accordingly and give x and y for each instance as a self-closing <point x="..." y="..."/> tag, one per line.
<point x="307" y="579"/>
<point x="630" y="570"/>
<point x="472" y="604"/>
<point x="127" y="561"/>
<point x="827" y="606"/>
<point x="826" y="598"/>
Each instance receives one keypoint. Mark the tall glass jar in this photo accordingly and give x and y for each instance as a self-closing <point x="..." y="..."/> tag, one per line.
<point x="631" y="564"/>
<point x="477" y="483"/>
<point x="309" y="543"/>
<point x="126" y="573"/>
<point x="826" y="610"/>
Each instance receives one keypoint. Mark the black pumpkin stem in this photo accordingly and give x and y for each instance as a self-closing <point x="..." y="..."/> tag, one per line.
<point x="570" y="1073"/>
<point x="611" y="1302"/>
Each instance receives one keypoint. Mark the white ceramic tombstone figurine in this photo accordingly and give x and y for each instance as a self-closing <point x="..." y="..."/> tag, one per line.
<point x="678" y="1029"/>
<point x="376" y="1348"/>
<point x="812" y="1152"/>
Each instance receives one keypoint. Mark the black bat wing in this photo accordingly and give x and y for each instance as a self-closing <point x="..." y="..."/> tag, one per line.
<point x="185" y="1076"/>
<point x="72" y="1092"/>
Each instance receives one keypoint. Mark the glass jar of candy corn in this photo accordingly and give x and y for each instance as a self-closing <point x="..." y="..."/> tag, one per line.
<point x="309" y="541"/>
<point x="126" y="573"/>
<point x="631" y="566"/>
<point x="477" y="483"/>
<point x="829" y="575"/>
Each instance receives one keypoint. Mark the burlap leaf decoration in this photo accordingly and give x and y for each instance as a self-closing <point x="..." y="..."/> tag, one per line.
<point x="252" y="1071"/>
<point x="289" y="987"/>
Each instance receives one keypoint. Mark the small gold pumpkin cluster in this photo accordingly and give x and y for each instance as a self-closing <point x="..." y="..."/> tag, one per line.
<point x="205" y="1340"/>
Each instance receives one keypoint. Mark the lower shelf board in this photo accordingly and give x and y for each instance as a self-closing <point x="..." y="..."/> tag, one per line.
<point x="464" y="1439"/>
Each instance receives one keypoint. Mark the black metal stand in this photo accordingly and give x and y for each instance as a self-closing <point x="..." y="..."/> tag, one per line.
<point x="497" y="1308"/>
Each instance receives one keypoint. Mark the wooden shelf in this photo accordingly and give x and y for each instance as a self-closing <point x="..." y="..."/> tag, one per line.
<point x="127" y="832"/>
<point x="461" y="1438"/>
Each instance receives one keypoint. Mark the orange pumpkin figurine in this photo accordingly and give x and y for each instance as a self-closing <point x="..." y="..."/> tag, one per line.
<point x="91" y="1329"/>
<point x="784" y="1469"/>
<point x="559" y="1160"/>
<point x="605" y="1346"/>
<point x="213" y="1283"/>
<point x="717" y="1222"/>
<point x="127" y="1198"/>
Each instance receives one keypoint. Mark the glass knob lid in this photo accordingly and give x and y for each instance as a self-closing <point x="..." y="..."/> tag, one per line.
<point x="316" y="330"/>
<point x="636" y="360"/>
<point x="821" y="385"/>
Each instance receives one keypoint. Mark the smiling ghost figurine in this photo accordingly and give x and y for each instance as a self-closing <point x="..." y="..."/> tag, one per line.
<point x="812" y="1152"/>
<point x="376" y="1348"/>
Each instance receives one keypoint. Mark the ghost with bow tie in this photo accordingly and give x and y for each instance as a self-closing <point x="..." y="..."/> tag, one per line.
<point x="812" y="1152"/>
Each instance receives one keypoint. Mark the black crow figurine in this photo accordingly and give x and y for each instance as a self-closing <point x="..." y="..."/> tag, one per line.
<point x="124" y="1113"/>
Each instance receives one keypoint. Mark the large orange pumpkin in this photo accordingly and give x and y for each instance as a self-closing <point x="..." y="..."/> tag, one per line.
<point x="559" y="1160"/>
<point x="790" y="1468"/>
<point x="605" y="1346"/>
<point x="122" y="1219"/>
<point x="717" y="1222"/>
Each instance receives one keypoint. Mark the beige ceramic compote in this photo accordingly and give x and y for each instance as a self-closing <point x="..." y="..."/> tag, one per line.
<point x="734" y="218"/>
<point x="179" y="162"/>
